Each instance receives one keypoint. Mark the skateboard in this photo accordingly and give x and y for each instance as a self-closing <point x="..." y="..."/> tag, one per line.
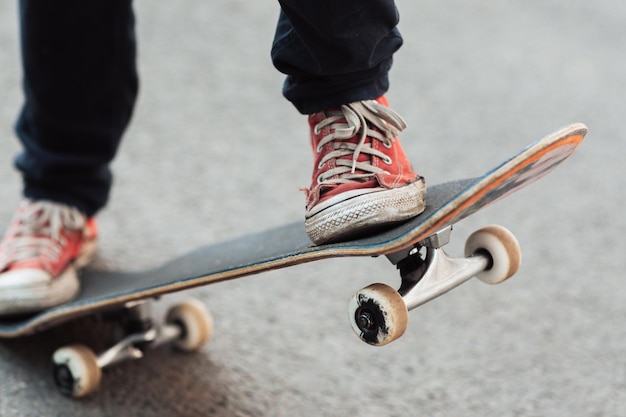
<point x="378" y="313"/>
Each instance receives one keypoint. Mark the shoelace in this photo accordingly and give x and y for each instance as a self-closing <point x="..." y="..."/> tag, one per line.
<point x="358" y="116"/>
<point x="36" y="231"/>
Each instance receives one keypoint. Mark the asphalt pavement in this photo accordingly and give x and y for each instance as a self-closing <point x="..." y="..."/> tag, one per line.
<point x="215" y="152"/>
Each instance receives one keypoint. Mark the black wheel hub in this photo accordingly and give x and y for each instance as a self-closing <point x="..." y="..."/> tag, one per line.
<point x="370" y="321"/>
<point x="63" y="379"/>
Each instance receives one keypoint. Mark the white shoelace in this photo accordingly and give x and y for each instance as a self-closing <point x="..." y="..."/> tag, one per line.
<point x="36" y="231"/>
<point x="357" y="115"/>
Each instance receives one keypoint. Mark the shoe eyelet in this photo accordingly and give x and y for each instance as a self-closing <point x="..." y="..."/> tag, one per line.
<point x="317" y="130"/>
<point x="387" y="160"/>
<point x="320" y="179"/>
<point x="321" y="165"/>
<point x="388" y="144"/>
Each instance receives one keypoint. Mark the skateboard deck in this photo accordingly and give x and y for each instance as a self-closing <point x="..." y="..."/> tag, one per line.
<point x="289" y="245"/>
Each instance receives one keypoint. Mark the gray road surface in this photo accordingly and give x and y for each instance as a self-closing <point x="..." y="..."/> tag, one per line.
<point x="215" y="152"/>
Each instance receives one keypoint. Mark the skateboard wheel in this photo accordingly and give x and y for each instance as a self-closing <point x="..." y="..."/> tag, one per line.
<point x="76" y="370"/>
<point x="195" y="321"/>
<point x="501" y="246"/>
<point x="378" y="314"/>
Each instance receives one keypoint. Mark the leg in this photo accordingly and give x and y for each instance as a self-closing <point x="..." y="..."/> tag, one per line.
<point x="337" y="55"/>
<point x="80" y="84"/>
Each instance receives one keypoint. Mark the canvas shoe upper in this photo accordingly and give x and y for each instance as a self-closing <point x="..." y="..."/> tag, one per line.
<point x="362" y="179"/>
<point x="39" y="256"/>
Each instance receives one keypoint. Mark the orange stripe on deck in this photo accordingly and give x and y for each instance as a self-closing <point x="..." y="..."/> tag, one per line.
<point x="571" y="140"/>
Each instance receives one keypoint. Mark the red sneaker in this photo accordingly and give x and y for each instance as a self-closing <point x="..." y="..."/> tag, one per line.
<point x="362" y="179"/>
<point x="39" y="256"/>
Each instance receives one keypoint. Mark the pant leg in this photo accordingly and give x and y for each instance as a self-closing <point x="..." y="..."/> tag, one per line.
<point x="335" y="51"/>
<point x="80" y="85"/>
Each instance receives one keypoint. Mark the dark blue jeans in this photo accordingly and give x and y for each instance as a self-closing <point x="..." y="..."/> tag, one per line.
<point x="80" y="80"/>
<point x="335" y="51"/>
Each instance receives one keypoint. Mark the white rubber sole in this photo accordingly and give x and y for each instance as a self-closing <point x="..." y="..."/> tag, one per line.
<point x="356" y="215"/>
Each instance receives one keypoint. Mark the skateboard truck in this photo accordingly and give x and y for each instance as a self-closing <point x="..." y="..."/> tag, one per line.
<point x="147" y="335"/>
<point x="188" y="325"/>
<point x="379" y="314"/>
<point x="438" y="272"/>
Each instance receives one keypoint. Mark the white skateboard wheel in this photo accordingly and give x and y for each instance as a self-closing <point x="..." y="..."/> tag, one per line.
<point x="378" y="314"/>
<point x="76" y="370"/>
<point x="195" y="321"/>
<point x="501" y="246"/>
